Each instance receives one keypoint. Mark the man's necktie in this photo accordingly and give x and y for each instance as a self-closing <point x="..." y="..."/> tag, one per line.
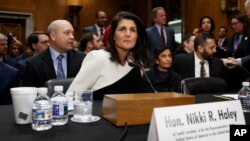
<point x="162" y="36"/>
<point x="101" y="32"/>
<point x="202" y="71"/>
<point x="60" y="72"/>
<point x="236" y="42"/>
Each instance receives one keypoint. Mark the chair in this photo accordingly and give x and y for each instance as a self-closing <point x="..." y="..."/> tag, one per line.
<point x="207" y="85"/>
<point x="65" y="82"/>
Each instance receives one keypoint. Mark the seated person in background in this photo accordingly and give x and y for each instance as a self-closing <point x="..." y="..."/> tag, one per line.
<point x="89" y="42"/>
<point x="201" y="62"/>
<point x="161" y="76"/>
<point x="16" y="50"/>
<point x="107" y="71"/>
<point x="37" y="42"/>
<point x="187" y="45"/>
<point x="56" y="62"/>
<point x="8" y="74"/>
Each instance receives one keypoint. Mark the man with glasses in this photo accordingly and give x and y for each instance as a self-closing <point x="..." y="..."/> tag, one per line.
<point x="100" y="24"/>
<point x="37" y="42"/>
<point x="244" y="62"/>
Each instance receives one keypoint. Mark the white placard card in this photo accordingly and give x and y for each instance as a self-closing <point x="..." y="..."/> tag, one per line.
<point x="196" y="122"/>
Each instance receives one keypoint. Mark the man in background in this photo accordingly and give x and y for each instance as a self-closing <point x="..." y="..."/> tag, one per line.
<point x="100" y="24"/>
<point x="89" y="42"/>
<point x="159" y="35"/>
<point x="8" y="74"/>
<point x="37" y="42"/>
<point x="58" y="61"/>
<point x="201" y="62"/>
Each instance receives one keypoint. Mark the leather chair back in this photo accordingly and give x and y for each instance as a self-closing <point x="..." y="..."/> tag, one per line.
<point x="65" y="82"/>
<point x="207" y="85"/>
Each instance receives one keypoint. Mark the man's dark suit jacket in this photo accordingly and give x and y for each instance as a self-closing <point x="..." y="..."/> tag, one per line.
<point x="8" y="79"/>
<point x="155" y="42"/>
<point x="184" y="65"/>
<point x="40" y="68"/>
<point x="90" y="29"/>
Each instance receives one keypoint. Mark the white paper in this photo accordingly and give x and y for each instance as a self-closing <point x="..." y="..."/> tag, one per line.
<point x="196" y="122"/>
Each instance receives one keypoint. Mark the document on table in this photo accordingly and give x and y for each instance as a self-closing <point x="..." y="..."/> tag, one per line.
<point x="228" y="96"/>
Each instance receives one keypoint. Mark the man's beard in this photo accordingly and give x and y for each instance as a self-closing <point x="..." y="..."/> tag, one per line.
<point x="206" y="56"/>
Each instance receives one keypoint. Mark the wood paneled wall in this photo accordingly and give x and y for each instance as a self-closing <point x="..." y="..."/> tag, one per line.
<point x="46" y="11"/>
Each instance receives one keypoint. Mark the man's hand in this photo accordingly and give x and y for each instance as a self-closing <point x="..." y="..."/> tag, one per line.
<point x="229" y="62"/>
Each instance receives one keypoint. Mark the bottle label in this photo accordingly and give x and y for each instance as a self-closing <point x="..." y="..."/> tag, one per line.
<point x="245" y="102"/>
<point x="66" y="109"/>
<point x="42" y="114"/>
<point x="58" y="110"/>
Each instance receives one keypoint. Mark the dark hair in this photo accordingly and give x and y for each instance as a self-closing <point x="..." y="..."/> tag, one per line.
<point x="159" y="51"/>
<point x="185" y="38"/>
<point x="242" y="19"/>
<point x="86" y="37"/>
<point x="139" y="53"/>
<point x="201" y="39"/>
<point x="212" y="23"/>
<point x="33" y="38"/>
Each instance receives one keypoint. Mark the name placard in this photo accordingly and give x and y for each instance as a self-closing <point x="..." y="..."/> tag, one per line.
<point x="196" y="122"/>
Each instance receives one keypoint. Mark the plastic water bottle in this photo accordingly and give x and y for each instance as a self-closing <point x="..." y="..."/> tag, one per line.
<point x="60" y="107"/>
<point x="42" y="111"/>
<point x="244" y="96"/>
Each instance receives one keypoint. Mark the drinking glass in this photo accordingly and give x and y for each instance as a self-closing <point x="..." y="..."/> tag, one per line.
<point x="83" y="106"/>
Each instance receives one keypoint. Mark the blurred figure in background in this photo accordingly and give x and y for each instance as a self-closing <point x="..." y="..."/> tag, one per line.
<point x="100" y="24"/>
<point x="222" y="43"/>
<point x="206" y="24"/>
<point x="187" y="45"/>
<point x="89" y="42"/>
<point x="8" y="74"/>
<point x="16" y="49"/>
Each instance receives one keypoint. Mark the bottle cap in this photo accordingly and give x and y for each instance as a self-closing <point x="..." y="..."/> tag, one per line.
<point x="58" y="88"/>
<point x="43" y="90"/>
<point x="245" y="84"/>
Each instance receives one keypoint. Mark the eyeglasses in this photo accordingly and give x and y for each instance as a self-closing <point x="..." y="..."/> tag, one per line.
<point x="234" y="23"/>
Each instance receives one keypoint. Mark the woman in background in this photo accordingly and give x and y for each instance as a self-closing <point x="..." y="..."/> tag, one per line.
<point x="206" y="24"/>
<point x="107" y="71"/>
<point x="161" y="76"/>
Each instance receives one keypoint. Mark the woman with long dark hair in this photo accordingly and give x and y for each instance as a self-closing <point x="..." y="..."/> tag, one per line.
<point x="107" y="71"/>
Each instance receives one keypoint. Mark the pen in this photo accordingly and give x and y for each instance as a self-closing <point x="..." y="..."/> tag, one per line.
<point x="219" y="96"/>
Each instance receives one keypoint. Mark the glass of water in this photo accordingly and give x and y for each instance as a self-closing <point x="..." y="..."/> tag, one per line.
<point x="83" y="105"/>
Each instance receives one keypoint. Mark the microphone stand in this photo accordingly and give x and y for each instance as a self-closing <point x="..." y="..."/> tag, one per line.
<point x="132" y="64"/>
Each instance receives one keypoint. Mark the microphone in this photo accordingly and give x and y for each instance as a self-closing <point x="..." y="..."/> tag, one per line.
<point x="133" y="64"/>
